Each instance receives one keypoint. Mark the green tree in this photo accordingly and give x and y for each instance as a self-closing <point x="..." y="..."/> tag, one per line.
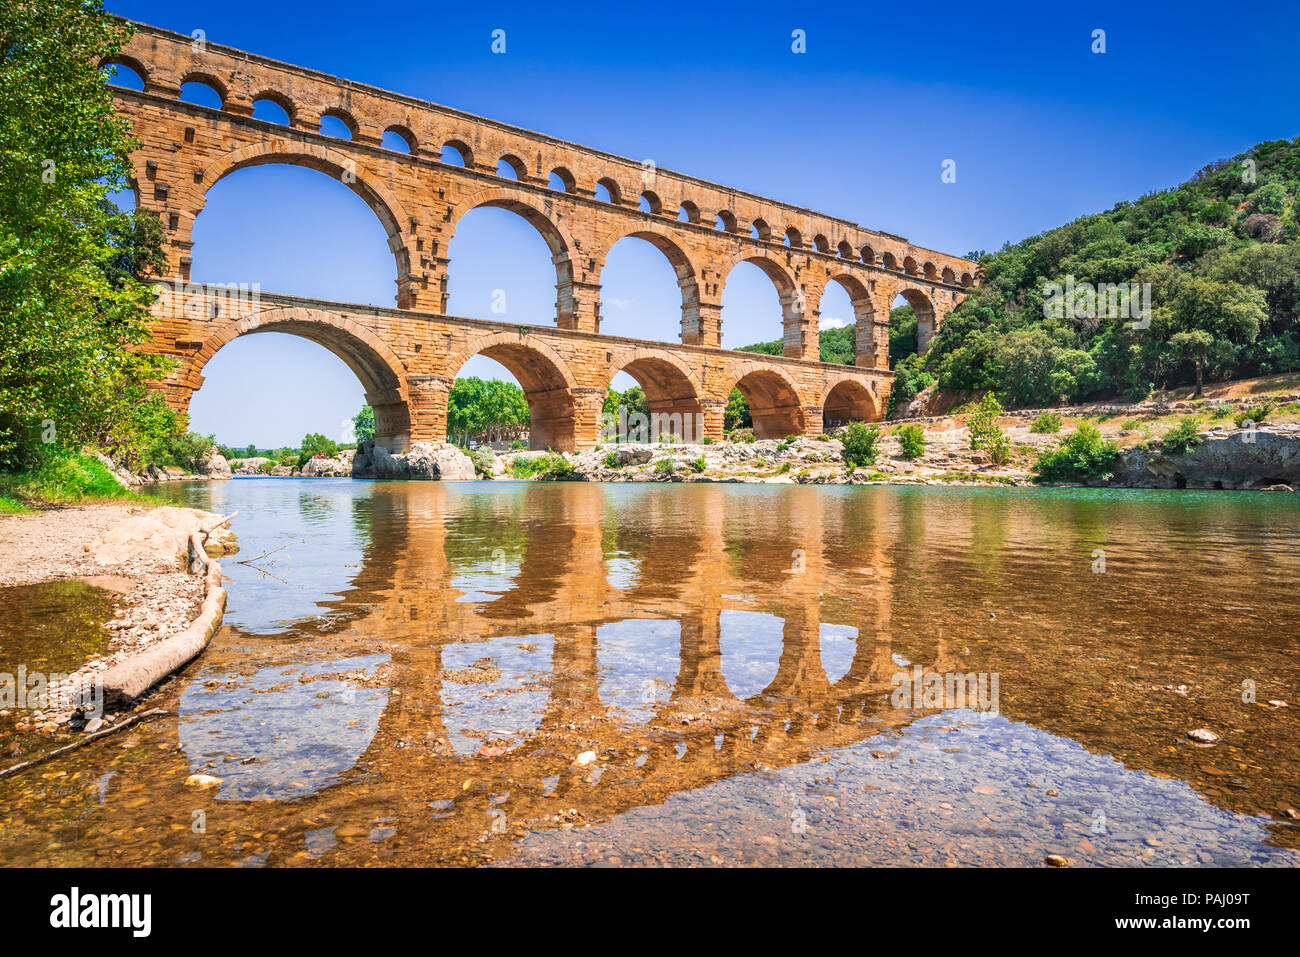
<point x="73" y="304"/>
<point x="363" y="424"/>
<point x="736" y="414"/>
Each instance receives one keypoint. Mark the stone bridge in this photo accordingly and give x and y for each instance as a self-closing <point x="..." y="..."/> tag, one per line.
<point x="582" y="201"/>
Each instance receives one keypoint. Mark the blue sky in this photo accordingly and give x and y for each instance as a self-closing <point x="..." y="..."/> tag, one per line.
<point x="1041" y="129"/>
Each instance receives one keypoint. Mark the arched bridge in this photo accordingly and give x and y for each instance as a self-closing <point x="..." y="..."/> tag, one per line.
<point x="581" y="200"/>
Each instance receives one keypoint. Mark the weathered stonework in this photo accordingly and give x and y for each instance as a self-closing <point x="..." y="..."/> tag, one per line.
<point x="408" y="357"/>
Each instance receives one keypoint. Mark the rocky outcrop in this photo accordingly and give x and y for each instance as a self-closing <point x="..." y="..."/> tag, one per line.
<point x="1267" y="456"/>
<point x="423" y="460"/>
<point x="213" y="466"/>
<point x="320" y="466"/>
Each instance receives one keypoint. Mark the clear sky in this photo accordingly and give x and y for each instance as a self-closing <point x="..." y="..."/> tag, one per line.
<point x="1041" y="130"/>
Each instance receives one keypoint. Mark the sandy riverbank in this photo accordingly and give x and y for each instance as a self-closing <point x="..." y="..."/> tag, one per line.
<point x="135" y="552"/>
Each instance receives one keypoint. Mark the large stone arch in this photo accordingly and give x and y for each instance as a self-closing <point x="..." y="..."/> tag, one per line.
<point x="381" y="373"/>
<point x="323" y="159"/>
<point x="867" y="344"/>
<point x="775" y="405"/>
<point x="672" y="389"/>
<point x="571" y="292"/>
<point x="688" y="275"/>
<point x="548" y="384"/>
<point x="849" y="399"/>
<point x="798" y="330"/>
<point x="919" y="299"/>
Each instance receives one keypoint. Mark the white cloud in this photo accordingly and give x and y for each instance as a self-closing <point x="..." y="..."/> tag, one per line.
<point x="831" y="322"/>
<point x="616" y="303"/>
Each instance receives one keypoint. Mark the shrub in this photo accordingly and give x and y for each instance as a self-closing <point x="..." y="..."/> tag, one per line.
<point x="860" y="444"/>
<point x="519" y="445"/>
<point x="611" y="461"/>
<point x="1083" y="454"/>
<point x="706" y="441"/>
<point x="60" y="477"/>
<point x="1182" y="437"/>
<point x="549" y="467"/>
<point x="1046" y="423"/>
<point x="698" y="464"/>
<point x="984" y="431"/>
<point x="1255" y="414"/>
<point x="482" y="460"/>
<point x="1129" y="424"/>
<point x="665" y="467"/>
<point x="1222" y="411"/>
<point x="912" y="439"/>
<point x="823" y="437"/>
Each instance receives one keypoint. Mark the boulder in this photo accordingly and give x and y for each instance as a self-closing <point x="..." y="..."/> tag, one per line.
<point x="1241" y="459"/>
<point x="423" y="460"/>
<point x="214" y="466"/>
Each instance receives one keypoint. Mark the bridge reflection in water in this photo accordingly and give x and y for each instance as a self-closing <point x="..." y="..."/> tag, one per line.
<point x="416" y="681"/>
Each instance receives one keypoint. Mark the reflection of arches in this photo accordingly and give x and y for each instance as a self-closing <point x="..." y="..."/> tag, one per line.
<point x="381" y="373"/>
<point x="849" y="400"/>
<point x="543" y="375"/>
<point x="333" y="164"/>
<point x="773" y="401"/>
<point x="924" y="309"/>
<point x="682" y="266"/>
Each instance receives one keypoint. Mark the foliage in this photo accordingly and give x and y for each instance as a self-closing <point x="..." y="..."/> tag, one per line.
<point x="363" y="425"/>
<point x="984" y="431"/>
<point x="612" y="462"/>
<point x="58" y="476"/>
<point x="697" y="464"/>
<point x="1081" y="455"/>
<point x="1221" y="256"/>
<point x="313" y="444"/>
<point x="1046" y="423"/>
<point x="912" y="439"/>
<point x="910" y="377"/>
<point x="551" y="466"/>
<point x="71" y="264"/>
<point x="665" y="467"/>
<point x="736" y="414"/>
<point x="1183" y="437"/>
<point x="491" y="410"/>
<point x="860" y="441"/>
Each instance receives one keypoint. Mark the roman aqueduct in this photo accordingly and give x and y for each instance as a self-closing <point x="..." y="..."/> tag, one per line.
<point x="582" y="201"/>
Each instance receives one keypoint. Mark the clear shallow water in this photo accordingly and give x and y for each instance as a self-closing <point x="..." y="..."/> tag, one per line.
<point x="412" y="672"/>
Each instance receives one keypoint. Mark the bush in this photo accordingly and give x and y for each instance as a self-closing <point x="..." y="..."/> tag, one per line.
<point x="860" y="444"/>
<point x="697" y="465"/>
<point x="1255" y="414"/>
<point x="60" y="477"/>
<point x="1183" y="437"/>
<point x="1222" y="411"/>
<point x="706" y="441"/>
<point x="665" y="467"/>
<point x="823" y="437"/>
<point x="482" y="459"/>
<point x="549" y="467"/>
<point x="611" y="461"/>
<point x="1047" y="423"/>
<point x="912" y="439"/>
<point x="984" y="431"/>
<point x="1083" y="454"/>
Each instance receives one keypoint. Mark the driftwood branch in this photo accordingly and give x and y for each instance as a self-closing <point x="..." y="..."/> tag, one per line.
<point x="249" y="561"/>
<point x="128" y="722"/>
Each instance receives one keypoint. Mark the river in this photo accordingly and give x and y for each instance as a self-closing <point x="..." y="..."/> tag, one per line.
<point x="532" y="673"/>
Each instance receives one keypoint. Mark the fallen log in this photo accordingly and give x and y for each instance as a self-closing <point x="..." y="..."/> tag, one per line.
<point x="127" y="722"/>
<point x="128" y="680"/>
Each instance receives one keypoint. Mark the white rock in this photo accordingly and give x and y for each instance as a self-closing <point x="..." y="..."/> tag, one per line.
<point x="201" y="781"/>
<point x="1203" y="736"/>
<point x="586" y="757"/>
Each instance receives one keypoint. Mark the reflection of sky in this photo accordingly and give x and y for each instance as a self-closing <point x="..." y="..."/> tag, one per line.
<point x="839" y="644"/>
<point x="485" y="581"/>
<point x="930" y="795"/>
<point x="622" y="572"/>
<point x="303" y="734"/>
<point x="309" y="526"/>
<point x="474" y="713"/>
<point x="751" y="650"/>
<point x="638" y="660"/>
